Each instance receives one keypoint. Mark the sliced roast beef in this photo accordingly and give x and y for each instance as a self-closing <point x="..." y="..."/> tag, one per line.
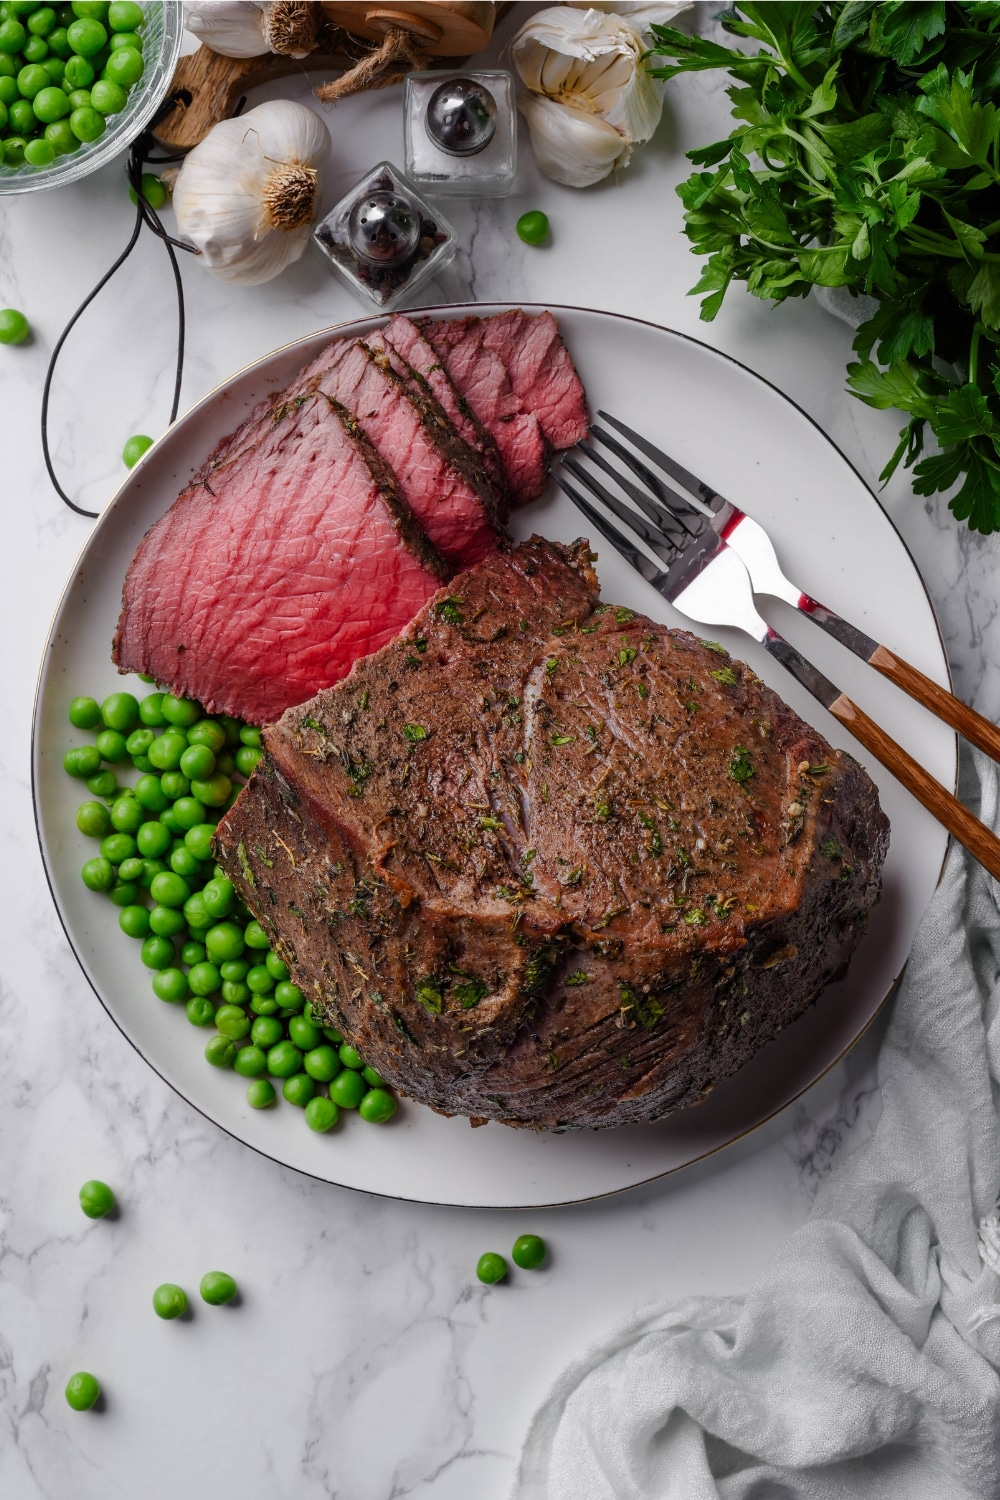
<point x="274" y="572"/>
<point x="542" y="375"/>
<point x="480" y="376"/>
<point x="547" y="862"/>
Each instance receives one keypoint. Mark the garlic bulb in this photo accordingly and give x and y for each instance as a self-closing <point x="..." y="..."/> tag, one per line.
<point x="247" y="28"/>
<point x="246" y="195"/>
<point x="590" y="97"/>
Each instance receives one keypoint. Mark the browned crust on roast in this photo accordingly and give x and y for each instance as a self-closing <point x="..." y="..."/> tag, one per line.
<point x="665" y="933"/>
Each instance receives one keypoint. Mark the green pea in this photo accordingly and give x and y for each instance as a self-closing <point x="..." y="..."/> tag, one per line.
<point x="76" y="99"/>
<point x="220" y="896"/>
<point x="92" y="819"/>
<point x="96" y="1199"/>
<point x="107" y="97"/>
<point x="377" y="1106"/>
<point x="198" y="762"/>
<point x="256" y="937"/>
<point x="199" y="840"/>
<point x="200" y="1011"/>
<point x="250" y="1062"/>
<point x="491" y="1268"/>
<point x="321" y="1114"/>
<point x="157" y="952"/>
<point x="533" y="227"/>
<point x="207" y="732"/>
<point x="86" y="124"/>
<point x="246" y="759"/>
<point x="125" y="39"/>
<point x="234" y="968"/>
<point x="124" y="893"/>
<point x="224" y="941"/>
<point x="111" y="746"/>
<point x="193" y="953"/>
<point x="84" y="713"/>
<point x="39" y="153"/>
<point x="154" y="189"/>
<point x="133" y="450"/>
<point x="217" y="1288"/>
<point x="263" y="1005"/>
<point x="204" y="978"/>
<point x="83" y="1390"/>
<point x="528" y="1251"/>
<point x="303" y="1033"/>
<point x="59" y="43"/>
<point x="166" y="921"/>
<point x="261" y="1093"/>
<point x="13" y="155"/>
<point x="97" y="9"/>
<point x="12" y="36"/>
<point x="232" y="1022"/>
<point x="234" y="992"/>
<point x="139" y="741"/>
<point x="170" y="822"/>
<point x="348" y="1089"/>
<point x="220" y="1051"/>
<point x="120" y="711"/>
<point x="259" y="980"/>
<point x="266" y="1032"/>
<point x="86" y="37"/>
<point x="171" y="985"/>
<point x="189" y="812"/>
<point x="83" y="761"/>
<point x="151" y="710"/>
<point x="195" y="914"/>
<point x="150" y="869"/>
<point x="321" y="1063"/>
<point x="127" y="816"/>
<point x="183" y="862"/>
<point x="289" y="996"/>
<point x="131" y="869"/>
<point x="134" y="921"/>
<point x="333" y="1035"/>
<point x="125" y="15"/>
<point x="276" y="967"/>
<point x="56" y="69"/>
<point x="153" y="839"/>
<point x="98" y="875"/>
<point x="42" y="21"/>
<point x="169" y="889"/>
<point x="31" y="80"/>
<point x="350" y="1057"/>
<point x="232" y="727"/>
<point x="180" y="711"/>
<point x="170" y="1301"/>
<point x="165" y="752"/>
<point x="375" y="1080"/>
<point x="79" y="73"/>
<point x="250" y="735"/>
<point x="175" y="785"/>
<point x="213" y="791"/>
<point x="103" y="784"/>
<point x="36" y="49"/>
<point x="299" y="1089"/>
<point x="22" y="118"/>
<point x="283" y="1060"/>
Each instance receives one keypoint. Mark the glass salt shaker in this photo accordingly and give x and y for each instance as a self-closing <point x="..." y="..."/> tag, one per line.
<point x="384" y="240"/>
<point x="460" y="133"/>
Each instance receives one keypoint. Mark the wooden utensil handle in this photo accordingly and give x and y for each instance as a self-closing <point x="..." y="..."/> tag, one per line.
<point x="975" y="836"/>
<point x="972" y="726"/>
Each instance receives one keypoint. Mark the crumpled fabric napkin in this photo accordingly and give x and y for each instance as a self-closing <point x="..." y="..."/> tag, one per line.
<point x="862" y="1364"/>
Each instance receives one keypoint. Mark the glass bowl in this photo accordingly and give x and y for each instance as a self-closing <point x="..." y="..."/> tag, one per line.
<point x="162" y="45"/>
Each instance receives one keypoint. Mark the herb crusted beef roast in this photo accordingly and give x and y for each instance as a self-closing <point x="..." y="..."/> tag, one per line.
<point x="546" y="862"/>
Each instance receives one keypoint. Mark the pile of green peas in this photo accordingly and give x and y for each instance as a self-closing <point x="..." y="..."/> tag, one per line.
<point x="205" y="948"/>
<point x="63" y="70"/>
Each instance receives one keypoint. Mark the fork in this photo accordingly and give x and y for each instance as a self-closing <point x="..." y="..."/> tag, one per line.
<point x="704" y="578"/>
<point x="753" y="546"/>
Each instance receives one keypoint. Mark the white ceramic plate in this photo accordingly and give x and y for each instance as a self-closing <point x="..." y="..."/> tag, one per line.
<point x="753" y="444"/>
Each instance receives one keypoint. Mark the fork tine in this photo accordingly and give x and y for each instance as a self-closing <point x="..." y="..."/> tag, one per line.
<point x="669" y="465"/>
<point x="658" y="542"/>
<point x="668" y="520"/>
<point x="655" y="483"/>
<point x="621" y="544"/>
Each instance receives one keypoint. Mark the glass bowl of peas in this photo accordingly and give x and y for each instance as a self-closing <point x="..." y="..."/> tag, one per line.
<point x="78" y="83"/>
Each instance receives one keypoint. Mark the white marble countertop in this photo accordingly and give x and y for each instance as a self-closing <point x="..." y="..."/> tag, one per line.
<point x="365" y="1361"/>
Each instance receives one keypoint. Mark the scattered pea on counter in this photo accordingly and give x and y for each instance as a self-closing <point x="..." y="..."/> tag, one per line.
<point x="528" y="1252"/>
<point x="170" y="1301"/>
<point x="217" y="1288"/>
<point x="491" y="1268"/>
<point x="14" y="326"/>
<point x="82" y="1390"/>
<point x="96" y="1199"/>
<point x="135" y="448"/>
<point x="533" y="227"/>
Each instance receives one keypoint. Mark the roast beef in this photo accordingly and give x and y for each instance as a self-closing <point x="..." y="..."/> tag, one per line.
<point x="547" y="862"/>
<point x="270" y="575"/>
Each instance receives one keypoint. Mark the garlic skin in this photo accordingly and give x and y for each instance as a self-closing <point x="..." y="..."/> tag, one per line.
<point x="233" y="28"/>
<point x="246" y="196"/>
<point x="586" y="83"/>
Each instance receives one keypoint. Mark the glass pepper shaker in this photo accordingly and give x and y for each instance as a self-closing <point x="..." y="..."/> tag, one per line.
<point x="460" y="133"/>
<point x="384" y="239"/>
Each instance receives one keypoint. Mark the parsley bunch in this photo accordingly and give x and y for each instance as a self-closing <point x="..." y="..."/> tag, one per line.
<point x="867" y="155"/>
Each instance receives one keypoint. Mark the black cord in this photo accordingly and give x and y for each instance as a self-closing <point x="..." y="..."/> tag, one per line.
<point x="145" y="215"/>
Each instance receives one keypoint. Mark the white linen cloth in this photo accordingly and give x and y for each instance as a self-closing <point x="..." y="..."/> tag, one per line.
<point x="861" y="1366"/>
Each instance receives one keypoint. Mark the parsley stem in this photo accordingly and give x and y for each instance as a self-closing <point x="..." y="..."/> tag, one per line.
<point x="974" y="354"/>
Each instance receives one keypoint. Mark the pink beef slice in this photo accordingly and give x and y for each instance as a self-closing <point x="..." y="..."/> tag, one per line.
<point x="267" y="580"/>
<point x="542" y="375"/>
<point x="406" y="338"/>
<point x="480" y="376"/>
